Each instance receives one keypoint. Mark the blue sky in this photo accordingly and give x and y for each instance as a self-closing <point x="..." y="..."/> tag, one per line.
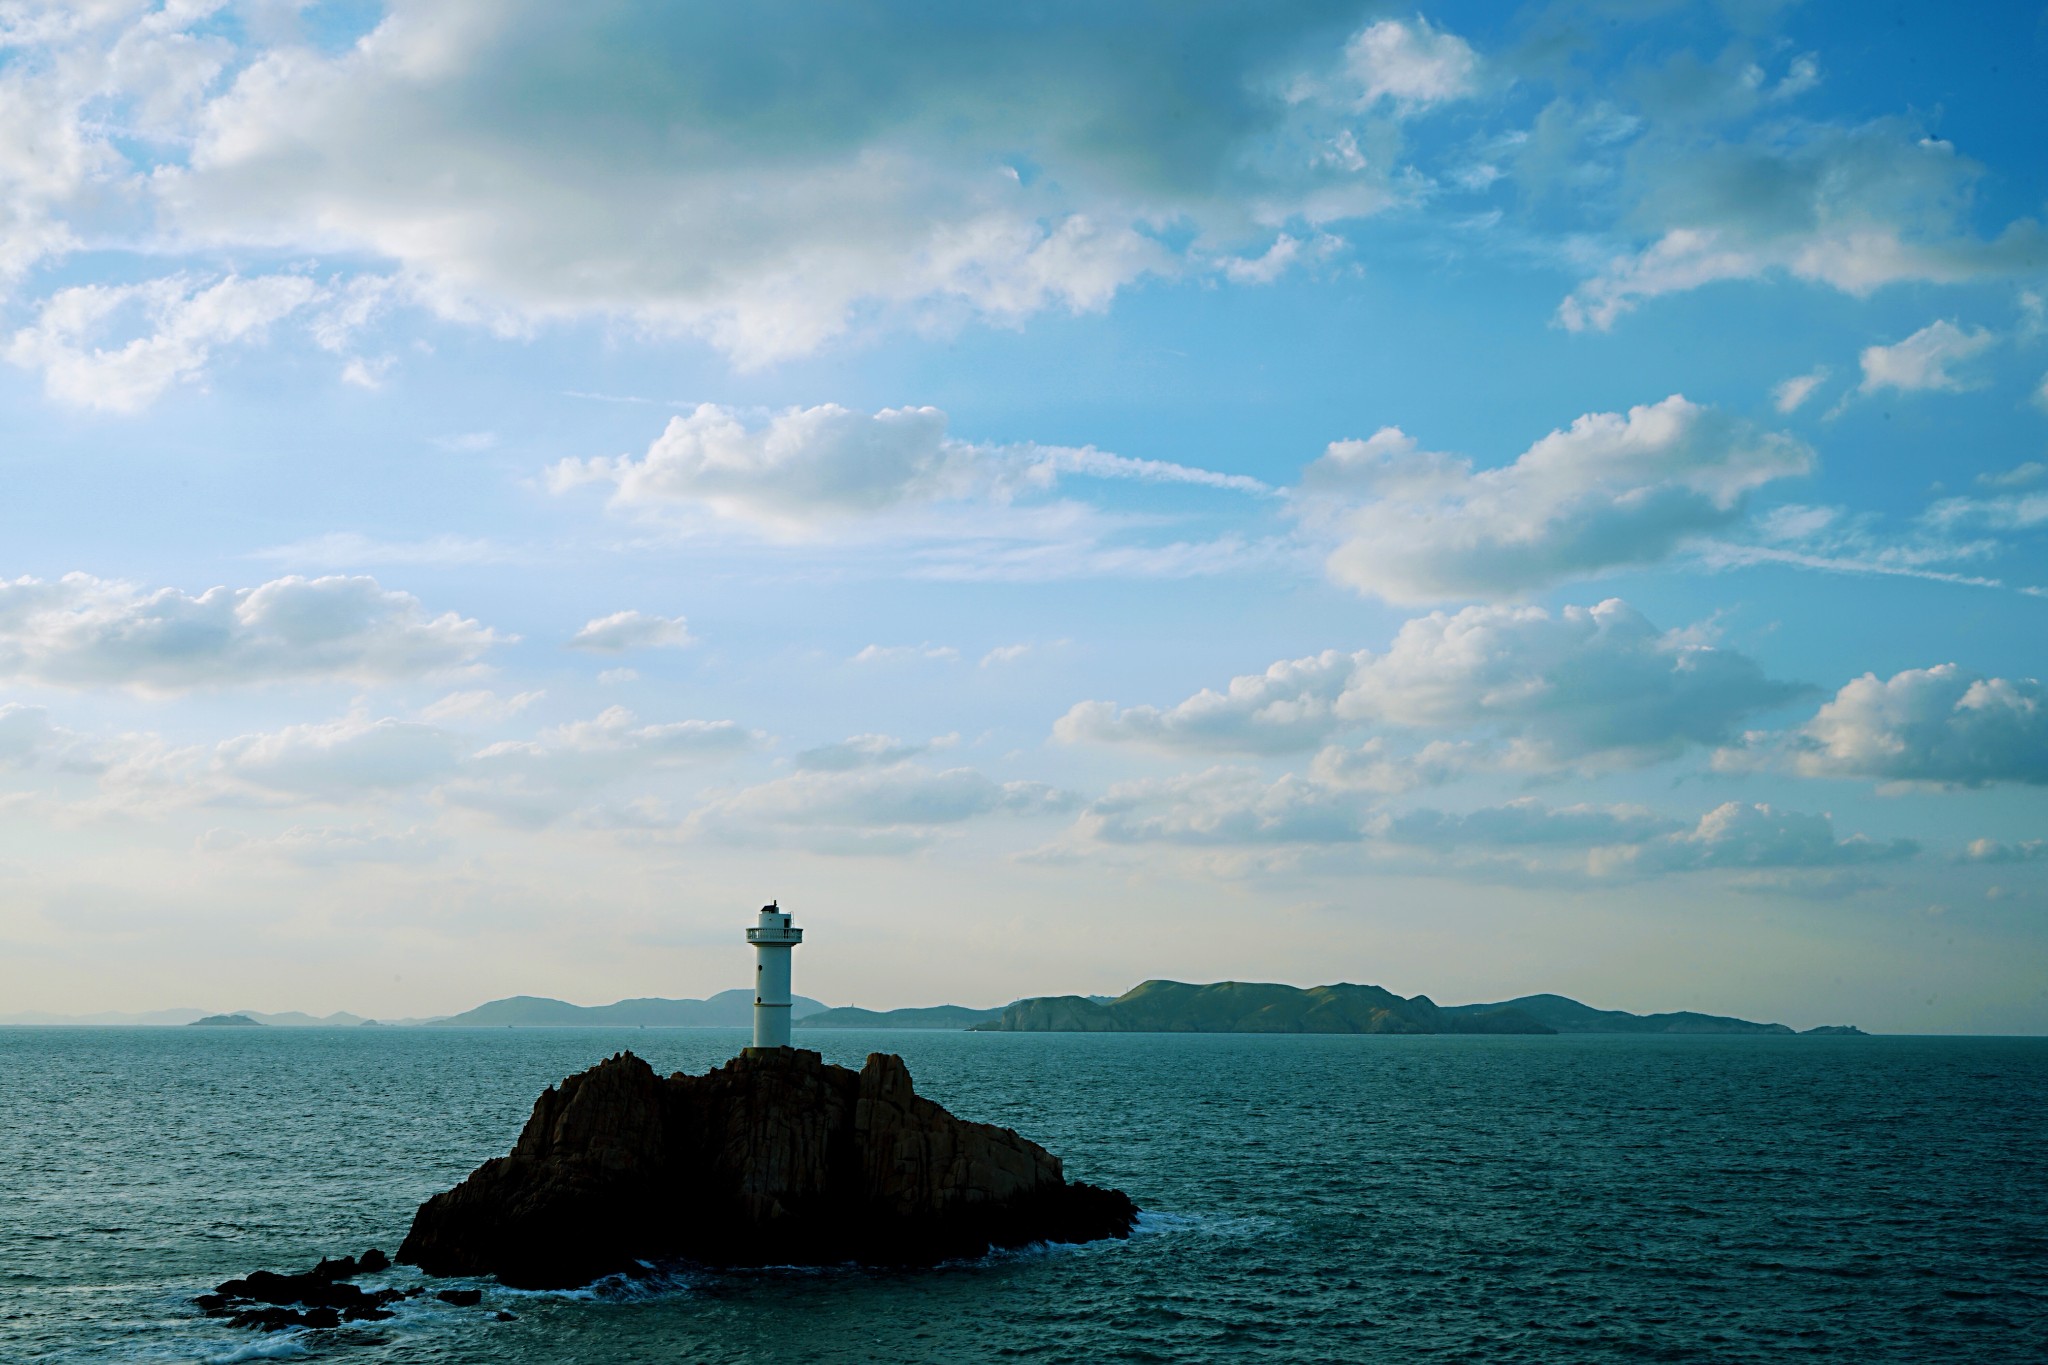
<point x="1475" y="500"/>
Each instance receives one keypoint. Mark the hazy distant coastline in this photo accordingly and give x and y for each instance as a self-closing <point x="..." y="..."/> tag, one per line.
<point x="727" y="1009"/>
<point x="1259" y="1007"/>
<point x="1151" y="1007"/>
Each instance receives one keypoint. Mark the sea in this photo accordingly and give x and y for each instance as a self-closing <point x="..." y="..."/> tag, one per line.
<point x="1306" y="1199"/>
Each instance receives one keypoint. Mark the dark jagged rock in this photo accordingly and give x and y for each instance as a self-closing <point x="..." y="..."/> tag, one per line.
<point x="461" y="1298"/>
<point x="275" y="1319"/>
<point x="773" y="1158"/>
<point x="348" y="1267"/>
<point x="320" y="1297"/>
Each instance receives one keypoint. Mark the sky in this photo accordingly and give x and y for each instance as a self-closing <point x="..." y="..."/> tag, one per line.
<point x="1480" y="500"/>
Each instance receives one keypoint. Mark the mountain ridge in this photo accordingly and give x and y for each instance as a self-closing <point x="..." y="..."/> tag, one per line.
<point x="727" y="1009"/>
<point x="1152" y="1006"/>
<point x="1160" y="1006"/>
<point x="1563" y="1014"/>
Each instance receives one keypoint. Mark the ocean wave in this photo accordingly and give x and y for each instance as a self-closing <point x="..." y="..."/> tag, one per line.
<point x="651" y="1281"/>
<point x="280" y="1347"/>
<point x="660" y="1280"/>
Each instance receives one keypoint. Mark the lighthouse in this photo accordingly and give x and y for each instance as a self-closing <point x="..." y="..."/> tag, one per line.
<point x="772" y="936"/>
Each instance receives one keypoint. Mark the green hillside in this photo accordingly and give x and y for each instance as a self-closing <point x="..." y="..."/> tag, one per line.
<point x="1252" y="1007"/>
<point x="1566" y="1015"/>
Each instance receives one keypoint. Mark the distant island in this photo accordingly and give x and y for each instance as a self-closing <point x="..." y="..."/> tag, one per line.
<point x="1258" y="1007"/>
<point x="918" y="1017"/>
<point x="727" y="1009"/>
<point x="926" y="1017"/>
<point x="178" y="1017"/>
<point x="1152" y="1007"/>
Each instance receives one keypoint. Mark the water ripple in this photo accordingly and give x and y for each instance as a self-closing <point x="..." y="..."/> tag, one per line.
<point x="1308" y="1200"/>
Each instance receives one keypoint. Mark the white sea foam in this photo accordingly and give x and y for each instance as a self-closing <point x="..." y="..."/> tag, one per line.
<point x="280" y="1347"/>
<point x="1153" y="1223"/>
<point x="651" y="1282"/>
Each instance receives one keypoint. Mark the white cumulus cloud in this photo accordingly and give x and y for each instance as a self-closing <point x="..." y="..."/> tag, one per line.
<point x="768" y="183"/>
<point x="172" y="327"/>
<point x="1938" y="725"/>
<point x="82" y="631"/>
<point x="1594" y="685"/>
<point x="803" y="470"/>
<point x="1792" y="394"/>
<point x="1924" y="360"/>
<point x="624" y="630"/>
<point x="77" y="77"/>
<point x="1995" y="851"/>
<point x="1736" y="834"/>
<point x="1850" y="208"/>
<point x="1409" y="64"/>
<point x="1290" y="707"/>
<point x="1612" y="490"/>
<point x="1240" y="808"/>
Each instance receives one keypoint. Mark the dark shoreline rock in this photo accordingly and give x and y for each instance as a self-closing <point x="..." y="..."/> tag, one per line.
<point x="775" y="1158"/>
<point x="320" y="1298"/>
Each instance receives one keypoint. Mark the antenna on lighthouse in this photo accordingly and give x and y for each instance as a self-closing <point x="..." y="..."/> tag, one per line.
<point x="772" y="936"/>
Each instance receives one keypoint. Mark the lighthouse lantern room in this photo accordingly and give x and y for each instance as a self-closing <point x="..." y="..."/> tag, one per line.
<point x="772" y="936"/>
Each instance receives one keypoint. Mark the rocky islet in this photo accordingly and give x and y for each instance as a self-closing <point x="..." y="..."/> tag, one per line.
<point x="776" y="1157"/>
<point x="321" y="1297"/>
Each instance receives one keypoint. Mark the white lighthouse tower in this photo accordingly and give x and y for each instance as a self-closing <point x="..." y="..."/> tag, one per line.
<point x="772" y="937"/>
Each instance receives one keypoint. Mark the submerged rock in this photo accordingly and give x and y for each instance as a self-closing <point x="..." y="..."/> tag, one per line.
<point x="775" y="1158"/>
